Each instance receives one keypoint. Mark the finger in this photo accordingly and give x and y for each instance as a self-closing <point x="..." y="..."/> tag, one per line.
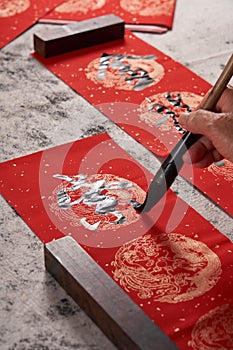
<point x="198" y="122"/>
<point x="202" y="153"/>
<point x="198" y="151"/>
<point x="209" y="158"/>
<point x="225" y="103"/>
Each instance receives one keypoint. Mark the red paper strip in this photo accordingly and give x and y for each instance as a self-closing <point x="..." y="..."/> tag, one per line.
<point x="126" y="83"/>
<point x="16" y="16"/>
<point x="157" y="12"/>
<point x="171" y="262"/>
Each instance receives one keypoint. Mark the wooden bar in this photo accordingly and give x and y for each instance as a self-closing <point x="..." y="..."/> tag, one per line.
<point x="78" y="35"/>
<point x="123" y="322"/>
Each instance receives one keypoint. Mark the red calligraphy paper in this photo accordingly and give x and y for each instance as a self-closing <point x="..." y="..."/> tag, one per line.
<point x="157" y="12"/>
<point x="171" y="262"/>
<point x="16" y="16"/>
<point x="128" y="80"/>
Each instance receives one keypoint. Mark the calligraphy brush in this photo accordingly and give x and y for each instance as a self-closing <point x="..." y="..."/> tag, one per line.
<point x="171" y="166"/>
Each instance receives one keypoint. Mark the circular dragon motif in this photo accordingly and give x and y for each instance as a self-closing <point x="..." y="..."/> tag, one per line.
<point x="226" y="171"/>
<point x="125" y="72"/>
<point x="152" y="112"/>
<point x="148" y="7"/>
<point x="97" y="202"/>
<point x="13" y="7"/>
<point x="214" y="330"/>
<point x="165" y="267"/>
<point x="73" y="6"/>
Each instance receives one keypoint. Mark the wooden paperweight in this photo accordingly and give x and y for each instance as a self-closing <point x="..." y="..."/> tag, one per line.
<point x="123" y="322"/>
<point x="78" y="35"/>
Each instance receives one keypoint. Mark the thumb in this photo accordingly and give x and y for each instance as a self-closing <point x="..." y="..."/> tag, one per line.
<point x="198" y="122"/>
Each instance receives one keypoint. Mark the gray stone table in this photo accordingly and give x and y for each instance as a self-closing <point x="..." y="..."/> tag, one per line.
<point x="39" y="111"/>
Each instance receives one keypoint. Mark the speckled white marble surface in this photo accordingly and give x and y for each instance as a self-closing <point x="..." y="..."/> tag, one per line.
<point x="39" y="111"/>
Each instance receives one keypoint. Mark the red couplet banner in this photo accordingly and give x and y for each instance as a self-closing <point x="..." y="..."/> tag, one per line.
<point x="143" y="91"/>
<point x="171" y="261"/>
<point x="16" y="16"/>
<point x="157" y="12"/>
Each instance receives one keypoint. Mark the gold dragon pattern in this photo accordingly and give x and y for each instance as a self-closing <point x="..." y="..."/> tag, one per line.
<point x="168" y="268"/>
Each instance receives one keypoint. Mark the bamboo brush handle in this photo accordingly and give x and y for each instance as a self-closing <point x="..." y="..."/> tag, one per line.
<point x="219" y="86"/>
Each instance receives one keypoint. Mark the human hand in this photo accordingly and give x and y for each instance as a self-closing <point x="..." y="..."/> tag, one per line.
<point x="217" y="128"/>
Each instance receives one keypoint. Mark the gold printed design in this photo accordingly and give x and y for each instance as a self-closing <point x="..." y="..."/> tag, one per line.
<point x="214" y="330"/>
<point x="148" y="7"/>
<point x="152" y="117"/>
<point x="73" y="6"/>
<point x="79" y="206"/>
<point x="226" y="171"/>
<point x="13" y="7"/>
<point x="166" y="267"/>
<point x="116" y="77"/>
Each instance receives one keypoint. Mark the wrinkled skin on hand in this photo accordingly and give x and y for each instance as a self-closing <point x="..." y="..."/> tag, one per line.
<point x="217" y="129"/>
